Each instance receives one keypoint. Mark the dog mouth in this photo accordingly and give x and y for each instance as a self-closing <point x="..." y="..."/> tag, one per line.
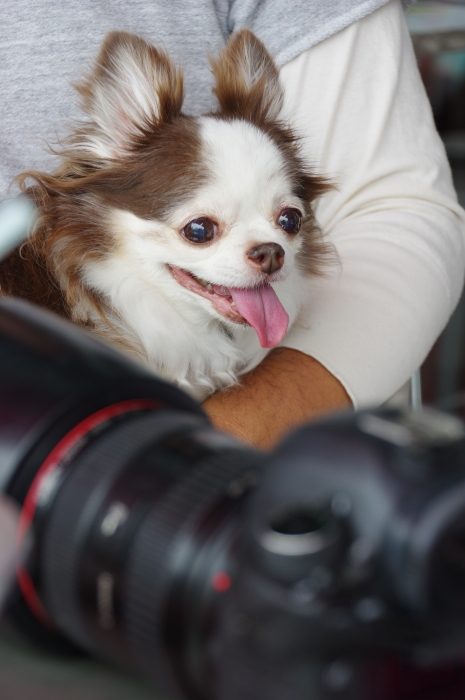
<point x="258" y="307"/>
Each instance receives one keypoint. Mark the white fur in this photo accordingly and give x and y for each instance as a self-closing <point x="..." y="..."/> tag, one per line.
<point x="178" y="332"/>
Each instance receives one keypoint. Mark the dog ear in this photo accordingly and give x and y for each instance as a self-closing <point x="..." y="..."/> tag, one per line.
<point x="247" y="80"/>
<point x="133" y="88"/>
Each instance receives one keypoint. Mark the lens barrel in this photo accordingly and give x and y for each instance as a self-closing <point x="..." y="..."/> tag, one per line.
<point x="134" y="539"/>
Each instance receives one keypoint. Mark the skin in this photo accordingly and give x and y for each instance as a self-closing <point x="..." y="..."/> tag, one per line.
<point x="287" y="389"/>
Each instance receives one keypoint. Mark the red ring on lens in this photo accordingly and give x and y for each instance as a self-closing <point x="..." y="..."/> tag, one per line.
<point x="50" y="464"/>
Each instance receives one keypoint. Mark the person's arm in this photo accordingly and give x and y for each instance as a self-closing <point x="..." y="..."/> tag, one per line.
<point x="358" y="101"/>
<point x="288" y="388"/>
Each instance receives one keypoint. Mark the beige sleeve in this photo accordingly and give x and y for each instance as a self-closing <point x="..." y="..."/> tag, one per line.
<point x="359" y="103"/>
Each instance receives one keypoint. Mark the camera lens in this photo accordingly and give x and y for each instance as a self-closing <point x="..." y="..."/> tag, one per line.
<point x="136" y="540"/>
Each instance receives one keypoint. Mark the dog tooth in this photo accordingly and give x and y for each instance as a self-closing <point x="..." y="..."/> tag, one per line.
<point x="208" y="287"/>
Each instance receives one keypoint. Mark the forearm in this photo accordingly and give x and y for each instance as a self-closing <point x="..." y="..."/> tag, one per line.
<point x="287" y="389"/>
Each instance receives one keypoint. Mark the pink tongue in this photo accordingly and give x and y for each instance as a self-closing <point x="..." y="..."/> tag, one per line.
<point x="263" y="310"/>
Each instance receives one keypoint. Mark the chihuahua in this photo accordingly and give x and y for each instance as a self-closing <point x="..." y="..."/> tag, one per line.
<point x="186" y="241"/>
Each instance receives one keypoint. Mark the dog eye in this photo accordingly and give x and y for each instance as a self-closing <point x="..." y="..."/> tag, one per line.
<point x="290" y="220"/>
<point x="199" y="230"/>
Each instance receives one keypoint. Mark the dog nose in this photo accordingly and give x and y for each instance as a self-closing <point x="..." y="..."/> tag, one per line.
<point x="268" y="256"/>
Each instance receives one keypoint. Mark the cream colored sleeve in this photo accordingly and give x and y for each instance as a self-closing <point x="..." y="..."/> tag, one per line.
<point x="359" y="103"/>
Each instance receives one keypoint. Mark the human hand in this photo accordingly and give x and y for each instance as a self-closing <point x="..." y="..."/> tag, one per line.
<point x="287" y="389"/>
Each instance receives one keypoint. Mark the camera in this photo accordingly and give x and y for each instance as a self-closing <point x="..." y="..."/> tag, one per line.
<point x="218" y="571"/>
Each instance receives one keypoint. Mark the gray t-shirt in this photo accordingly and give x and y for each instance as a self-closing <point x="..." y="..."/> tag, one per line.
<point x="46" y="45"/>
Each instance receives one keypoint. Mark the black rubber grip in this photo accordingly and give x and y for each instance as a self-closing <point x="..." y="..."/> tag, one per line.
<point x="78" y="504"/>
<point x="150" y="573"/>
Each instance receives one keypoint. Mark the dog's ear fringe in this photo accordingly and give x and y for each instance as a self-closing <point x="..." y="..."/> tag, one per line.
<point x="32" y="272"/>
<point x="247" y="80"/>
<point x="132" y="89"/>
<point x="317" y="255"/>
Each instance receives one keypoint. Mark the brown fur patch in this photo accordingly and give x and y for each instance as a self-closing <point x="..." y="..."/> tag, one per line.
<point x="163" y="169"/>
<point x="24" y="276"/>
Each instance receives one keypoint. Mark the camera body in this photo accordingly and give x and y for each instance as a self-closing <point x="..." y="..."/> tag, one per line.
<point x="218" y="571"/>
<point x="352" y="554"/>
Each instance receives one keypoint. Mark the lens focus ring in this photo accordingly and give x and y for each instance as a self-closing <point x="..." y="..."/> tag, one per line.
<point x="78" y="505"/>
<point x="77" y="584"/>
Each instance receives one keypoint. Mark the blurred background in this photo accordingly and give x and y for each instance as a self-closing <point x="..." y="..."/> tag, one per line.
<point x="438" y="33"/>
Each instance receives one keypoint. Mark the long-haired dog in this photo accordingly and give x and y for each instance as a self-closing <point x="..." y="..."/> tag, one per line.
<point x="186" y="241"/>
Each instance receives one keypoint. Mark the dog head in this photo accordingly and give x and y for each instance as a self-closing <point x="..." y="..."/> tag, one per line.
<point x="210" y="210"/>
